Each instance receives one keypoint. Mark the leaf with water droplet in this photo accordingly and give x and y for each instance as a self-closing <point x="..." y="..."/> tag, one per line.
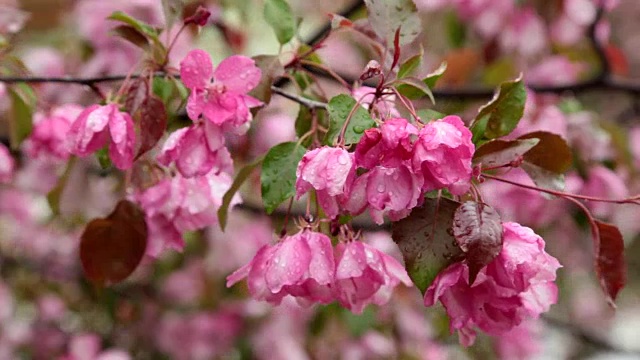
<point x="339" y="108"/>
<point x="278" y="176"/>
<point x="477" y="229"/>
<point x="503" y="113"/>
<point x="426" y="242"/>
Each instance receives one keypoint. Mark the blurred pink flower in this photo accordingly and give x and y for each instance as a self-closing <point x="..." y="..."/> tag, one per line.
<point x="7" y="165"/>
<point x="197" y="150"/>
<point x="87" y="347"/>
<point x="522" y="342"/>
<point x="48" y="140"/>
<point x="554" y="70"/>
<point x="525" y="33"/>
<point x="603" y="183"/>
<point x="517" y="285"/>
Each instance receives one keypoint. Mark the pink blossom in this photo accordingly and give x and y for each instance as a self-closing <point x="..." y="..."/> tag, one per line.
<point x="87" y="347"/>
<point x="388" y="146"/>
<point x="365" y="275"/>
<point x="525" y="34"/>
<point x="196" y="151"/>
<point x="177" y="205"/>
<point x="301" y="265"/>
<point x="48" y="140"/>
<point x="220" y="95"/>
<point x="204" y="335"/>
<point x="384" y="106"/>
<point x="522" y="342"/>
<point x="7" y="165"/>
<point x="96" y="126"/>
<point x="442" y="155"/>
<point x="392" y="191"/>
<point x="517" y="285"/>
<point x="554" y="70"/>
<point x="603" y="183"/>
<point x="328" y="171"/>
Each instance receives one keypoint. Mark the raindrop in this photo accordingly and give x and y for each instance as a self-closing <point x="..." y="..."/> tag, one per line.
<point x="381" y="188"/>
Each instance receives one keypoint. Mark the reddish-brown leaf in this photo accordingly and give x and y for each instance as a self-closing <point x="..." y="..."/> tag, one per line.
<point x="477" y="229"/>
<point x="610" y="265"/>
<point x="111" y="248"/>
<point x="153" y="123"/>
<point x="497" y="152"/>
<point x="552" y="152"/>
<point x="136" y="93"/>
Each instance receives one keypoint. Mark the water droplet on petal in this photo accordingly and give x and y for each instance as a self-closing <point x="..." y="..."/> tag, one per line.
<point x="381" y="188"/>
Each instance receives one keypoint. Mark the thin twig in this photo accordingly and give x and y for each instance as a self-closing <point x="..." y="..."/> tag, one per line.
<point x="311" y="104"/>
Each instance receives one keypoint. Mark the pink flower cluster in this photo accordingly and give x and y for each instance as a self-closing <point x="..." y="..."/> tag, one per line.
<point x="49" y="135"/>
<point x="176" y="205"/>
<point x="220" y="97"/>
<point x="516" y="286"/>
<point x="401" y="163"/>
<point x="307" y="267"/>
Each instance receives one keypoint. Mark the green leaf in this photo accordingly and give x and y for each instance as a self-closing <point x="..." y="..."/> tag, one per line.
<point x="413" y="84"/>
<point x="279" y="16"/>
<point x="241" y="177"/>
<point x="412" y="63"/>
<point x="426" y="241"/>
<point x="427" y="115"/>
<point x="53" y="197"/>
<point x="132" y="35"/>
<point x="502" y="152"/>
<point x="278" y="176"/>
<point x="20" y="120"/>
<point x="429" y="81"/>
<point x="504" y="111"/>
<point x="387" y="16"/>
<point x="103" y="158"/>
<point x="456" y="30"/>
<point x="303" y="122"/>
<point x="142" y="27"/>
<point x="339" y="108"/>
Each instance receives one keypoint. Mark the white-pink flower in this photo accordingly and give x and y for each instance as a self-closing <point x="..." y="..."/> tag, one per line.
<point x="517" y="285"/>
<point x="220" y="95"/>
<point x="98" y="125"/>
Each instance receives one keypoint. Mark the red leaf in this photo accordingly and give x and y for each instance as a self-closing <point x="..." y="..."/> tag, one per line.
<point x="477" y="229"/>
<point x="610" y="265"/>
<point x="153" y="123"/>
<point x="111" y="248"/>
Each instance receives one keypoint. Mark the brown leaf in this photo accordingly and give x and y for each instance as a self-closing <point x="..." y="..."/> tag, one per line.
<point x="477" y="229"/>
<point x="502" y="152"/>
<point x="153" y="123"/>
<point x="552" y="152"/>
<point x="111" y="248"/>
<point x="610" y="263"/>
<point x="137" y="92"/>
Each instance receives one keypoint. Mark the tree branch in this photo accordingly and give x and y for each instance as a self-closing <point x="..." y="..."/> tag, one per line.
<point x="311" y="104"/>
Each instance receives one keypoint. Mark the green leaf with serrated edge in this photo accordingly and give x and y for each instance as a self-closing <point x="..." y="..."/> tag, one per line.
<point x="387" y="16"/>
<point x="502" y="152"/>
<point x="53" y="197"/>
<point x="279" y="16"/>
<point x="428" y="115"/>
<point x="425" y="240"/>
<point x="240" y="178"/>
<point x="339" y="108"/>
<point x="411" y="64"/>
<point x="504" y="111"/>
<point x="413" y="84"/>
<point x="430" y="81"/>
<point x="278" y="176"/>
<point x="20" y="120"/>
